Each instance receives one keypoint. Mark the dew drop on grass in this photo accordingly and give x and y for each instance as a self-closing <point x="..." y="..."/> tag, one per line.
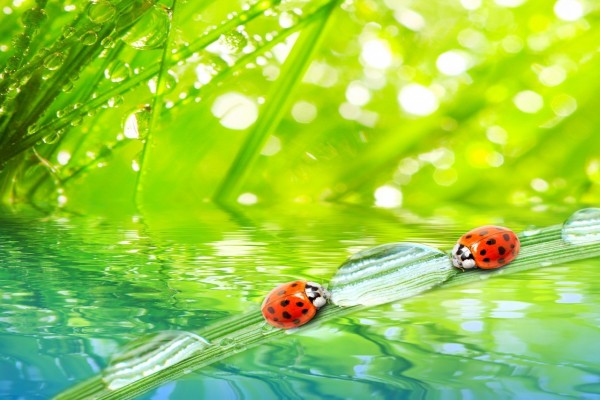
<point x="51" y="138"/>
<point x="20" y="43"/>
<point x="266" y="328"/>
<point x="115" y="101"/>
<point x="101" y="11"/>
<point x="226" y="342"/>
<point x="388" y="273"/>
<point x="150" y="31"/>
<point x="117" y="71"/>
<point x="108" y="42"/>
<point x="151" y="354"/>
<point x="68" y="31"/>
<point x="34" y="17"/>
<point x="54" y="61"/>
<point x="89" y="38"/>
<point x="583" y="227"/>
<point x="67" y="87"/>
<point x="12" y="64"/>
<point x="208" y="67"/>
<point x="287" y="19"/>
<point x="137" y="123"/>
<point x="232" y="42"/>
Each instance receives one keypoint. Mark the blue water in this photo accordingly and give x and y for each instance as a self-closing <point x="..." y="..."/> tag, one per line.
<point x="76" y="289"/>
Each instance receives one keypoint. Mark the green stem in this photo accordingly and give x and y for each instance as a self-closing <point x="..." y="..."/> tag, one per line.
<point x="279" y="98"/>
<point x="242" y="332"/>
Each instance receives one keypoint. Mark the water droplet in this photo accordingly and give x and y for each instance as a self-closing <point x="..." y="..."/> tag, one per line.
<point x="89" y="38"/>
<point x="68" y="31"/>
<point x="226" y="342"/>
<point x="108" y="42"/>
<point x="287" y="19"/>
<point x="150" y="354"/>
<point x="238" y="347"/>
<point x="232" y="42"/>
<point x="52" y="138"/>
<point x="76" y="121"/>
<point x="12" y="64"/>
<point x="54" y="61"/>
<point x="117" y="71"/>
<point x="100" y="11"/>
<point x="583" y="227"/>
<point x="114" y="102"/>
<point x="34" y="17"/>
<point x="388" y="273"/>
<point x="208" y="67"/>
<point x="137" y="123"/>
<point x="170" y="80"/>
<point x="20" y="43"/>
<point x="32" y="129"/>
<point x="67" y="87"/>
<point x="150" y="32"/>
<point x="266" y="328"/>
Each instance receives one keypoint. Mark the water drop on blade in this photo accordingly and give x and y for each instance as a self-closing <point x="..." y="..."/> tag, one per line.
<point x="54" y="61"/>
<point x="101" y="11"/>
<point x="150" y="31"/>
<point x="388" y="273"/>
<point x="583" y="227"/>
<point x="151" y="354"/>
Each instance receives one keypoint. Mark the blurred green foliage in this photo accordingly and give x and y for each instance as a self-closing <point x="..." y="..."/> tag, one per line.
<point x="118" y="104"/>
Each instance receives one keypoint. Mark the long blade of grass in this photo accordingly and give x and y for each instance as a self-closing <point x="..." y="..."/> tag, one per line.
<point x="242" y="332"/>
<point x="279" y="99"/>
<point x="157" y="100"/>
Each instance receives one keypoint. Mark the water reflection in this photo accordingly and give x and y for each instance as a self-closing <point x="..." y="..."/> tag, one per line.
<point x="75" y="289"/>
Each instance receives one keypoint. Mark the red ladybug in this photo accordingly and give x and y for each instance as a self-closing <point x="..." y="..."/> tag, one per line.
<point x="293" y="304"/>
<point x="486" y="247"/>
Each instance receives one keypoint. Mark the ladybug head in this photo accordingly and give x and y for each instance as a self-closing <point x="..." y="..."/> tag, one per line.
<point x="462" y="257"/>
<point x="316" y="294"/>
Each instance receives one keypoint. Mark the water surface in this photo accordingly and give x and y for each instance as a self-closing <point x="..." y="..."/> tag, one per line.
<point x="75" y="289"/>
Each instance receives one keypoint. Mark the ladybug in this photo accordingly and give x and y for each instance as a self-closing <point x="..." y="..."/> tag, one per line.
<point x="486" y="247"/>
<point x="293" y="304"/>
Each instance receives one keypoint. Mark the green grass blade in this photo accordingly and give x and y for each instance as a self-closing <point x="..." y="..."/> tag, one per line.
<point x="279" y="99"/>
<point x="242" y="332"/>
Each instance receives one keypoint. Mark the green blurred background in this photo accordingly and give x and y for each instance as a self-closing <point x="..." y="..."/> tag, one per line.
<point x="393" y="103"/>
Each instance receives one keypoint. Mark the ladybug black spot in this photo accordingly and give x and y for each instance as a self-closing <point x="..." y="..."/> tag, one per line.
<point x="486" y="260"/>
<point x="296" y="321"/>
<point x="305" y="311"/>
<point x="284" y="303"/>
<point x="501" y="261"/>
<point x="483" y="233"/>
<point x="294" y="284"/>
<point x="300" y="304"/>
<point x="275" y="319"/>
<point x="468" y="236"/>
<point x="286" y="315"/>
<point x="482" y="252"/>
<point x="271" y="310"/>
<point x="501" y="250"/>
<point x="491" y="241"/>
<point x="506" y="237"/>
<point x="512" y="246"/>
